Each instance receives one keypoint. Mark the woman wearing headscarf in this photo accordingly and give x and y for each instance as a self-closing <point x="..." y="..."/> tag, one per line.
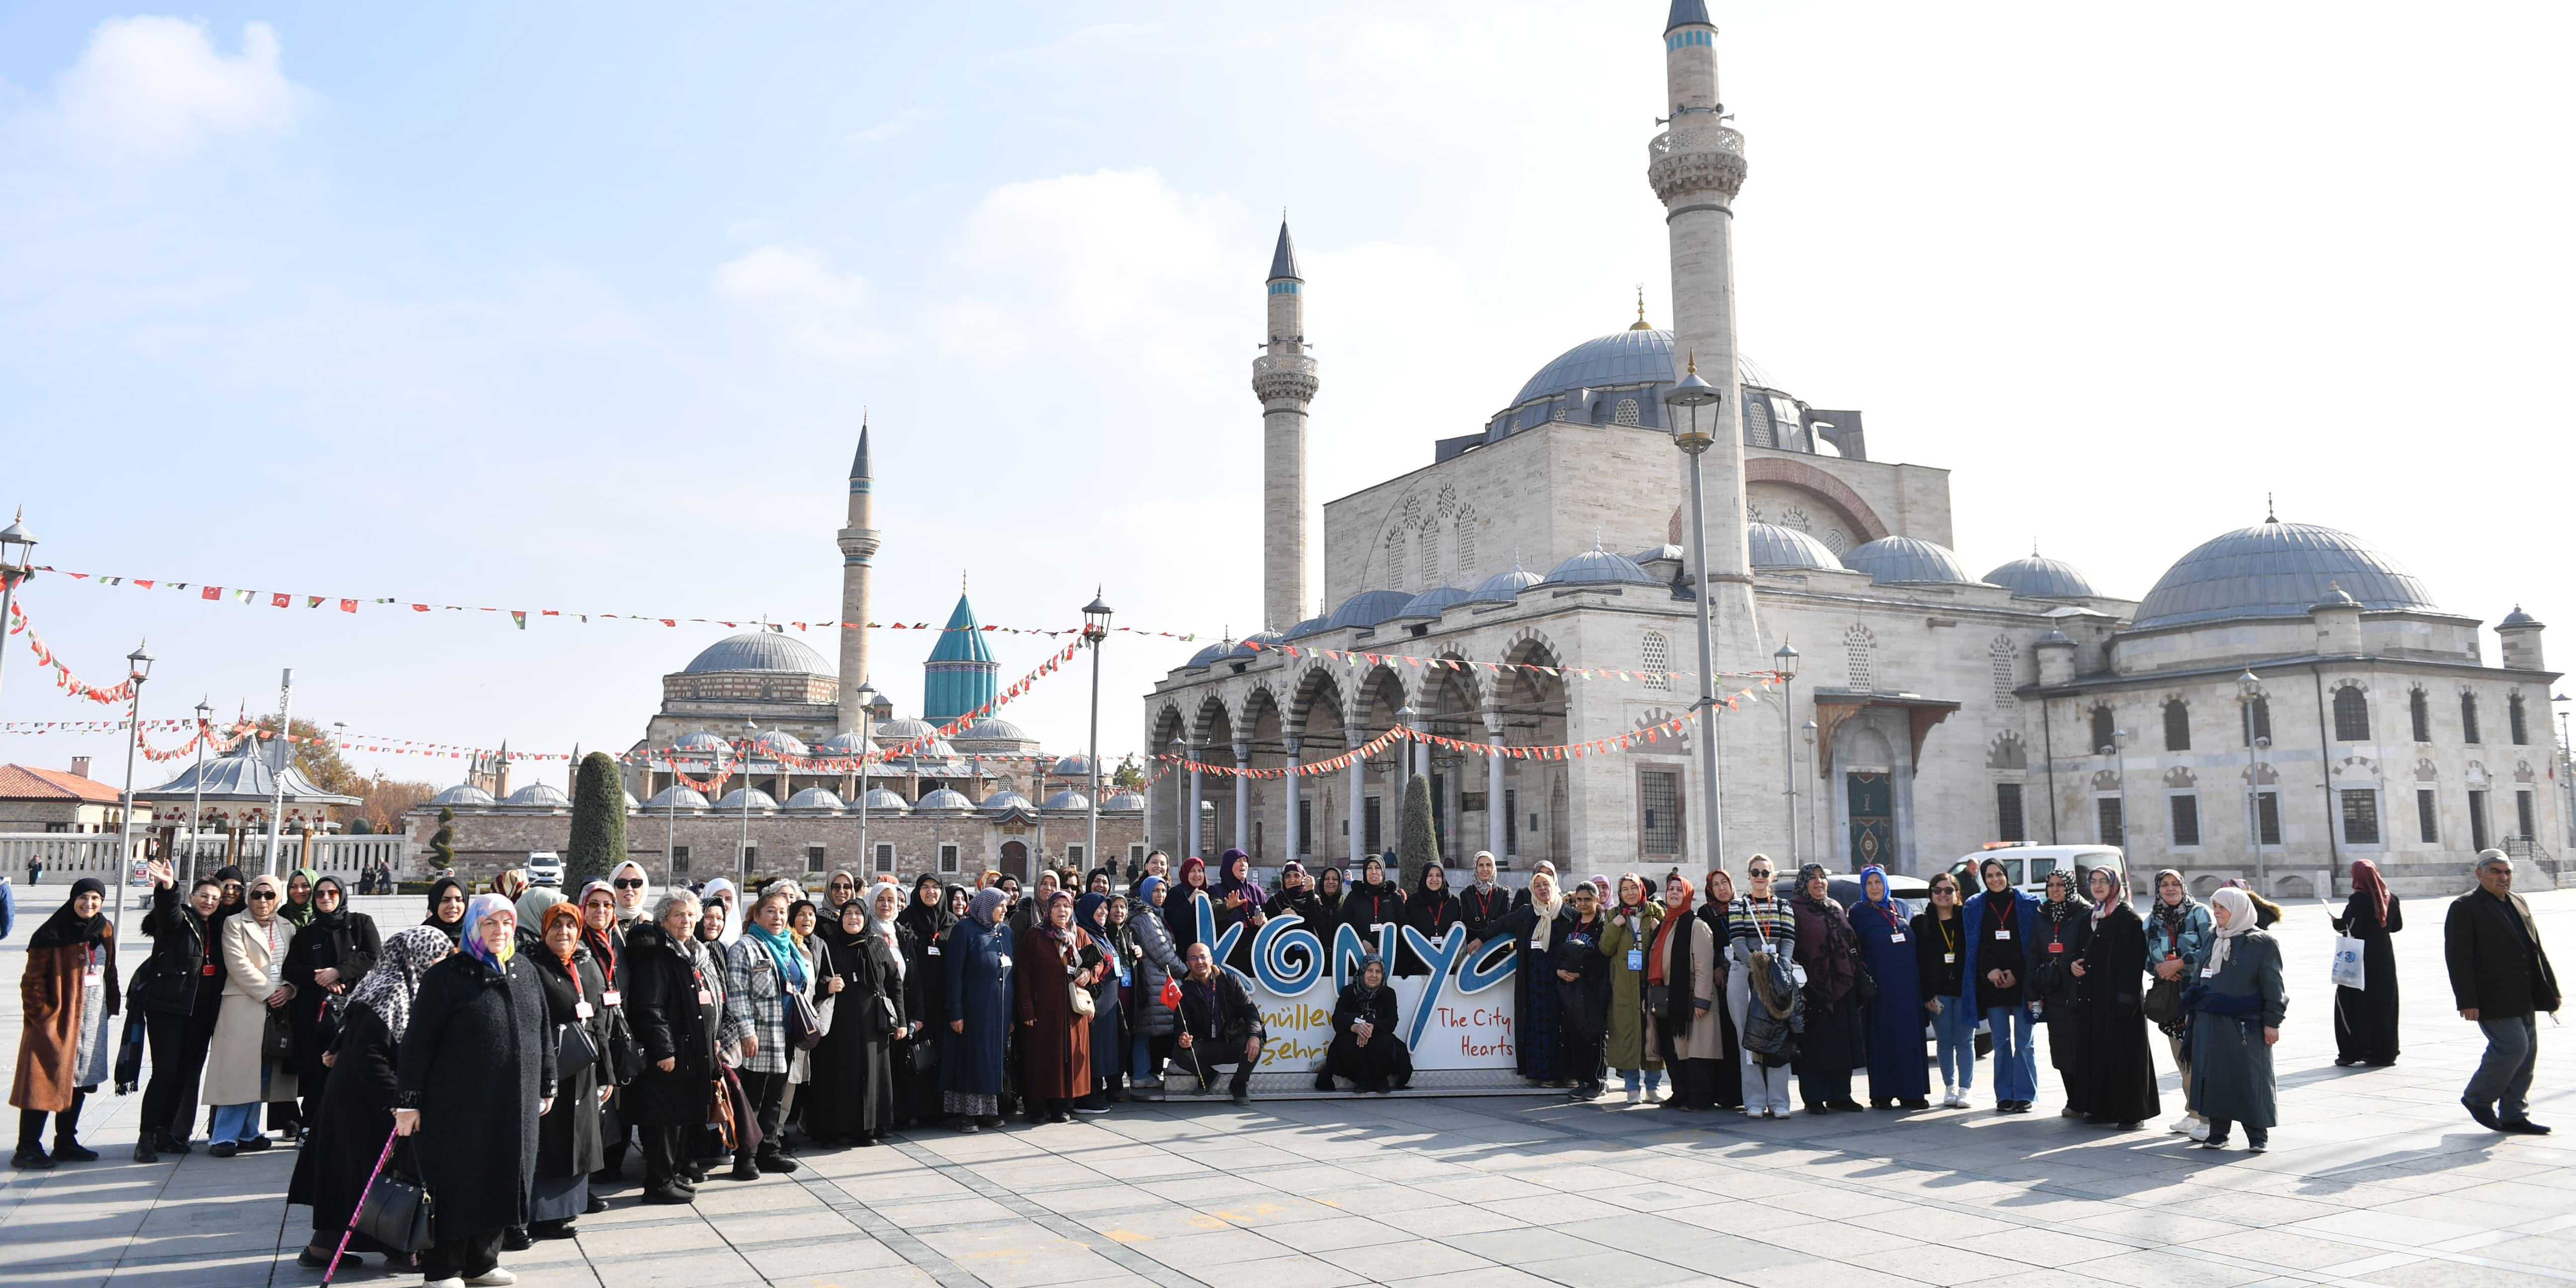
<point x="1158" y="962"/>
<point x="1329" y="892"/>
<point x="1521" y="897"/>
<point x="803" y="919"/>
<point x="1239" y="902"/>
<point x="569" y="1146"/>
<point x="331" y="954"/>
<point x="2003" y="926"/>
<point x="2065" y="924"/>
<point x="979" y="1014"/>
<point x="1181" y="903"/>
<point x="838" y="891"/>
<point x="1365" y="1049"/>
<point x="1761" y="931"/>
<point x="1430" y="910"/>
<point x="764" y="969"/>
<point x="356" y="1112"/>
<point x="180" y="995"/>
<point x="239" y="1077"/>
<point x="922" y="932"/>
<point x="1583" y="989"/>
<point x="2267" y="914"/>
<point x="447" y="900"/>
<point x="298" y="908"/>
<point x="719" y="893"/>
<point x="1026" y="912"/>
<point x="1940" y="962"/>
<point x="2365" y="1018"/>
<point x="2178" y="945"/>
<point x="1894" y="1016"/>
<point x="850" y="1096"/>
<point x="606" y="940"/>
<point x="1685" y="998"/>
<point x="476" y="1073"/>
<point x="1632" y="925"/>
<point x="1835" y="1039"/>
<point x="66" y="999"/>
<point x="2236" y="1004"/>
<point x="1373" y="901"/>
<point x="633" y="888"/>
<point x="1297" y="898"/>
<point x="1726" y="1081"/>
<point x="2110" y="1076"/>
<point x="235" y="900"/>
<point x="1110" y="975"/>
<point x="1534" y="928"/>
<point x="1055" y="958"/>
<point x="510" y="883"/>
<point x="1482" y="900"/>
<point x="671" y="1003"/>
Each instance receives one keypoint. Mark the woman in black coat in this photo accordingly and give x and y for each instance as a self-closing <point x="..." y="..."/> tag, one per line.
<point x="1583" y="990"/>
<point x="2365" y="1018"/>
<point x="181" y="991"/>
<point x="1373" y="901"/>
<point x="1541" y="1050"/>
<point x="849" y="1094"/>
<point x="922" y="931"/>
<point x="356" y="1114"/>
<point x="1430" y="910"/>
<point x="569" y="1139"/>
<point x="1836" y="1037"/>
<point x="2111" y="1077"/>
<point x="671" y="1006"/>
<point x="478" y="1069"/>
<point x="1365" y="1047"/>
<point x="2065" y="926"/>
<point x="1727" y="1086"/>
<point x="329" y="956"/>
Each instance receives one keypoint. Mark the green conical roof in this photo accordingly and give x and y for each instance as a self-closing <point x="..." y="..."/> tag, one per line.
<point x="963" y="641"/>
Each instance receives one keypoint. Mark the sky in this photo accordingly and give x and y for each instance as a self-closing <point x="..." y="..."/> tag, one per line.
<point x="579" y="307"/>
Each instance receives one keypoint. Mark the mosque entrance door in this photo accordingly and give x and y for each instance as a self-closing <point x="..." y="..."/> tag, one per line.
<point x="1871" y="803"/>
<point x="1015" y="860"/>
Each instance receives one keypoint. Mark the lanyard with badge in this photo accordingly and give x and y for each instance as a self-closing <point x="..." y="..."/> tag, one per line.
<point x="580" y="1003"/>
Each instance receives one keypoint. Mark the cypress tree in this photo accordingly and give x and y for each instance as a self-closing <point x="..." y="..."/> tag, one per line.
<point x="442" y="843"/>
<point x="1416" y="846"/>
<point x="598" y="822"/>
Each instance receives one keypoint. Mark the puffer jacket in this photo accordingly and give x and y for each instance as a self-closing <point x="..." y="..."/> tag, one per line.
<point x="1160" y="962"/>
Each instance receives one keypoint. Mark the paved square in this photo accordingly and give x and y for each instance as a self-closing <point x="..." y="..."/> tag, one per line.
<point x="2375" y="1177"/>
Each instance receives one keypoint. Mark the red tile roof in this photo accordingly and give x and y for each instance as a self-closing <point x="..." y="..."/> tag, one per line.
<point x="27" y="783"/>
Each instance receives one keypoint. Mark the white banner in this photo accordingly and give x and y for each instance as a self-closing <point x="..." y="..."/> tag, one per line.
<point x="1457" y="1017"/>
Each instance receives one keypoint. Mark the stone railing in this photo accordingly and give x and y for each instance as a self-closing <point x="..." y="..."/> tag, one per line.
<point x="75" y="854"/>
<point x="1711" y="160"/>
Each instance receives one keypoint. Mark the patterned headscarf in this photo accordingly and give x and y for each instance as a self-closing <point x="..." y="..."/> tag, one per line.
<point x="2119" y="889"/>
<point x="388" y="989"/>
<point x="484" y="907"/>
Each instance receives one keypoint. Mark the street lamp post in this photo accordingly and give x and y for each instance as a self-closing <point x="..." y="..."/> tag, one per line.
<point x="2249" y="691"/>
<point x="1095" y="628"/>
<point x="197" y="789"/>
<point x="1784" y="660"/>
<point x="2566" y="767"/>
<point x="1691" y="394"/>
<point x="1815" y="815"/>
<point x="17" y="549"/>
<point x="2118" y="750"/>
<point x="277" y="773"/>
<point x="742" y="850"/>
<point x="139" y="664"/>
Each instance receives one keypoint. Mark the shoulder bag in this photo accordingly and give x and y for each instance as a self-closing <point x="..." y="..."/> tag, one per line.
<point x="573" y="1048"/>
<point x="805" y="1026"/>
<point x="1080" y="998"/>
<point x="394" y="1209"/>
<point x="277" y="1035"/>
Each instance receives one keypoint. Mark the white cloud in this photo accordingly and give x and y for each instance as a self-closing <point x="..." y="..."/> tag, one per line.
<point x="821" y="313"/>
<point x="901" y="122"/>
<point x="1085" y="255"/>
<point x="157" y="87"/>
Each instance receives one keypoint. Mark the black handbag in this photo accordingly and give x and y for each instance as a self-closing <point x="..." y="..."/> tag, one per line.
<point x="921" y="1054"/>
<point x="277" y="1036"/>
<point x="395" y="1212"/>
<point x="573" y="1049"/>
<point x="625" y="1054"/>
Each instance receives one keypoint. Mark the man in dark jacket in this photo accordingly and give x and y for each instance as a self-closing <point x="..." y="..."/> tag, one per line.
<point x="1220" y="1026"/>
<point x="2501" y="981"/>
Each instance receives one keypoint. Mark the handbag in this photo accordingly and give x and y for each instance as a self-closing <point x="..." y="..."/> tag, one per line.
<point x="879" y="1015"/>
<point x="1080" y="997"/>
<point x="1864" y="984"/>
<point x="625" y="1054"/>
<point x="804" y="1026"/>
<point x="394" y="1210"/>
<point x="720" y="1122"/>
<point x="277" y="1035"/>
<point x="921" y="1054"/>
<point x="573" y="1049"/>
<point x="2347" y="971"/>
<point x="2164" y="1002"/>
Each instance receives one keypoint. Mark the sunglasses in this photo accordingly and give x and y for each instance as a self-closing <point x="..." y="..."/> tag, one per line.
<point x="263" y="894"/>
<point x="630" y="883"/>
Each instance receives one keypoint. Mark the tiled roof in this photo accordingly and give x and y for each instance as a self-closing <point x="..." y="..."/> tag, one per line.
<point x="27" y="783"/>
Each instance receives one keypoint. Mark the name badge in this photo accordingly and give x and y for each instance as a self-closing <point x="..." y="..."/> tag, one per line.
<point x="2207" y="971"/>
<point x="934" y="950"/>
<point x="1006" y="961"/>
<point x="706" y="998"/>
<point x="207" y="969"/>
<point x="1534" y="943"/>
<point x="1636" y="959"/>
<point x="581" y="1010"/>
<point x="1896" y="936"/>
<point x="608" y="998"/>
<point x="1949" y="959"/>
<point x="2003" y="934"/>
<point x="91" y="977"/>
<point x="2057" y="948"/>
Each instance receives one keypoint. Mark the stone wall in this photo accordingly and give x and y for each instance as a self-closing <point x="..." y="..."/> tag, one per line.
<point x="487" y="842"/>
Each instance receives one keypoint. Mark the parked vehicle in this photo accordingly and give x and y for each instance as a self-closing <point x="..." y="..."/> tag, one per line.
<point x="545" y="868"/>
<point x="2028" y="867"/>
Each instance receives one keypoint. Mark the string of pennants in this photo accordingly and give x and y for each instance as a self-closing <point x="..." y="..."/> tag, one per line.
<point x="63" y="677"/>
<point x="519" y="616"/>
<point x="1563" y="751"/>
<point x="1359" y="658"/>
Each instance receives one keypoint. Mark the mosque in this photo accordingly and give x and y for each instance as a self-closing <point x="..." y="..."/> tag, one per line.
<point x="765" y="711"/>
<point x="2283" y="699"/>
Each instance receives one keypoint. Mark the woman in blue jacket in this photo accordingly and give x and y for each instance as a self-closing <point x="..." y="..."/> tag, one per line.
<point x="1885" y="926"/>
<point x="980" y="1006"/>
<point x="2002" y="929"/>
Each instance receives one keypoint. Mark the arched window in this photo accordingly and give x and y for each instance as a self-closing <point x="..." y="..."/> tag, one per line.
<point x="1655" y="654"/>
<point x="2419" y="713"/>
<point x="2177" y="725"/>
<point x="1627" y="414"/>
<point x="1757" y="421"/>
<point x="2469" y="718"/>
<point x="2105" y="732"/>
<point x="2351" y="715"/>
<point x="1430" y="555"/>
<point x="1856" y="657"/>
<point x="1466" y="544"/>
<point x="2000" y="655"/>
<point x="1395" y="560"/>
<point x="2519" y="727"/>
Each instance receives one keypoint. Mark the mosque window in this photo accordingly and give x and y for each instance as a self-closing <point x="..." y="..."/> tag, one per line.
<point x="2106" y="734"/>
<point x="1655" y="654"/>
<point x="2008" y="815"/>
<point x="1430" y="554"/>
<point x="2000" y="653"/>
<point x="1627" y="413"/>
<point x="948" y="856"/>
<point x="2520" y="728"/>
<point x="2177" y="725"/>
<point x="1757" y="421"/>
<point x="885" y="856"/>
<point x="2420" y="713"/>
<point x="2469" y="719"/>
<point x="1466" y="543"/>
<point x="1395" y="561"/>
<point x="1795" y="517"/>
<point x="1835" y="541"/>
<point x="1857" y="645"/>
<point x="2351" y="715"/>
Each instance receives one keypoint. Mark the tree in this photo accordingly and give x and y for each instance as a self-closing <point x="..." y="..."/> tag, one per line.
<point x="442" y="843"/>
<point x="317" y="758"/>
<point x="359" y="826"/>
<point x="1128" y="776"/>
<point x="598" y="821"/>
<point x="384" y="800"/>
<point x="1416" y="846"/>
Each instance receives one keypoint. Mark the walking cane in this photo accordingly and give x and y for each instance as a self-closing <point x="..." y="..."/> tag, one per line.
<point x="336" y="1253"/>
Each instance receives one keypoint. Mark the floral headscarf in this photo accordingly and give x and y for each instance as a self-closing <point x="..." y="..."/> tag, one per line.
<point x="388" y="989"/>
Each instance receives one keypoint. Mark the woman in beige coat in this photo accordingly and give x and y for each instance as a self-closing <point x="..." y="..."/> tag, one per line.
<point x="238" y="1079"/>
<point x="1682" y="1023"/>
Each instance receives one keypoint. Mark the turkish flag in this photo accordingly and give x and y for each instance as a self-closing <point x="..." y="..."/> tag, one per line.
<point x="212" y="592"/>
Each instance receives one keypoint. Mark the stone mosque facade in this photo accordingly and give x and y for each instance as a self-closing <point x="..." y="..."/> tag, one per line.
<point x="2283" y="699"/>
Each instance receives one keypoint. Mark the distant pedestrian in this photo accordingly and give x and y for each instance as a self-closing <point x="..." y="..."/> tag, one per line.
<point x="2236" y="1007"/>
<point x="2501" y="981"/>
<point x="2365" y="1018"/>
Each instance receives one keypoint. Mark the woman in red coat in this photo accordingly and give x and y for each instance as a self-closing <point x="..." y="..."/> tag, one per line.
<point x="66" y="999"/>
<point x="1055" y="958"/>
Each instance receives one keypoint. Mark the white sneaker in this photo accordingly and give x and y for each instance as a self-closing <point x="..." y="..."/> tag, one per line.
<point x="493" y="1278"/>
<point x="2199" y="1130"/>
<point x="449" y="1282"/>
<point x="2182" y="1126"/>
<point x="1654" y="1095"/>
<point x="1635" y="1095"/>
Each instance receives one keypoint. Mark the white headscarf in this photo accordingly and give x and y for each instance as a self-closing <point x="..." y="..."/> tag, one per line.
<point x="2240" y="918"/>
<point x="1543" y="919"/>
<point x="643" y="898"/>
<point x="708" y="893"/>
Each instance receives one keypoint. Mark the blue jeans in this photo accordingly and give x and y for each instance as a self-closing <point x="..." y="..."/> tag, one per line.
<point x="1654" y="1078"/>
<point x="236" y="1122"/>
<point x="2016" y="1065"/>
<point x="1954" y="1035"/>
<point x="1140" y="1059"/>
<point x="2503" y="1078"/>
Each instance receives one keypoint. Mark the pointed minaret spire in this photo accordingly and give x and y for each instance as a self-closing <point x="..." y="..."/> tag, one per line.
<point x="858" y="543"/>
<point x="859" y="463"/>
<point x="1283" y="378"/>
<point x="1283" y="260"/>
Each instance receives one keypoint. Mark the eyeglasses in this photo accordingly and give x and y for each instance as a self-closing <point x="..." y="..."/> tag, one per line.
<point x="629" y="883"/>
<point x="263" y="894"/>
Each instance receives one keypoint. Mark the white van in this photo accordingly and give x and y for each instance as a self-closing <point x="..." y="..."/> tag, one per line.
<point x="2027" y="867"/>
<point x="545" y="868"/>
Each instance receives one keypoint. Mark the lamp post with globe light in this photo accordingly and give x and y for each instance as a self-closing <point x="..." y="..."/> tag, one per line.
<point x="1690" y="394"/>
<point x="17" y="547"/>
<point x="139" y="668"/>
<point x="1784" y="661"/>
<point x="1095" y="628"/>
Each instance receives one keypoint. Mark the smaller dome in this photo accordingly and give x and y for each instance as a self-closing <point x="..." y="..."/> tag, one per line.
<point x="1773" y="546"/>
<point x="540" y="796"/>
<point x="761" y="802"/>
<point x="1906" y="561"/>
<point x="677" y="798"/>
<point x="935" y="749"/>
<point x="905" y="730"/>
<point x="1244" y="648"/>
<point x="842" y="746"/>
<point x="992" y="729"/>
<point x="779" y="742"/>
<point x="881" y="801"/>
<point x="700" y="741"/>
<point x="1599" y="567"/>
<point x="2038" y="578"/>
<point x="1427" y="606"/>
<point x="462" y="794"/>
<point x="2334" y="598"/>
<point x="1005" y="800"/>
<point x="1368" y="608"/>
<point x="1073" y="766"/>
<point x="2055" y="636"/>
<point x="1211" y="655"/>
<point x="1124" y="801"/>
<point x="1068" y="800"/>
<point x="1667" y="552"/>
<point x="945" y="799"/>
<point x="1505" y="587"/>
<point x="814" y="798"/>
<point x="2517" y="618"/>
<point x="1310" y="626"/>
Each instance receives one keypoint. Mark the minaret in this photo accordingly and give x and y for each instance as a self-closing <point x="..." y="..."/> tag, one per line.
<point x="1696" y="168"/>
<point x="858" y="546"/>
<point x="1283" y="377"/>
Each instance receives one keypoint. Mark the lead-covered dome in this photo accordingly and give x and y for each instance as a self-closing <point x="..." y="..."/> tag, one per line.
<point x="1773" y="546"/>
<point x="539" y="796"/>
<point x="947" y="799"/>
<point x="1505" y="587"/>
<point x="1123" y="801"/>
<point x="1620" y="358"/>
<point x="2034" y="577"/>
<point x="2276" y="569"/>
<point x="1905" y="561"/>
<point x="1251" y="645"/>
<point x="758" y="651"/>
<point x="1368" y="608"/>
<point x="815" y="798"/>
<point x="761" y="802"/>
<point x="1599" y="567"/>
<point x="1427" y="606"/>
<point x="677" y="798"/>
<point x="466" y="794"/>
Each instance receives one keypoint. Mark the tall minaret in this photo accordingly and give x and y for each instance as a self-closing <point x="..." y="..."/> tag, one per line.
<point x="1283" y="377"/>
<point x="858" y="546"/>
<point x="1696" y="168"/>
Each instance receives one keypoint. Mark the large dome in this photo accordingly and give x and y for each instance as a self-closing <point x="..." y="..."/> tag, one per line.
<point x="1904" y="561"/>
<point x="759" y="651"/>
<point x="2276" y="569"/>
<point x="1599" y="567"/>
<point x="1619" y="358"/>
<point x="1773" y="546"/>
